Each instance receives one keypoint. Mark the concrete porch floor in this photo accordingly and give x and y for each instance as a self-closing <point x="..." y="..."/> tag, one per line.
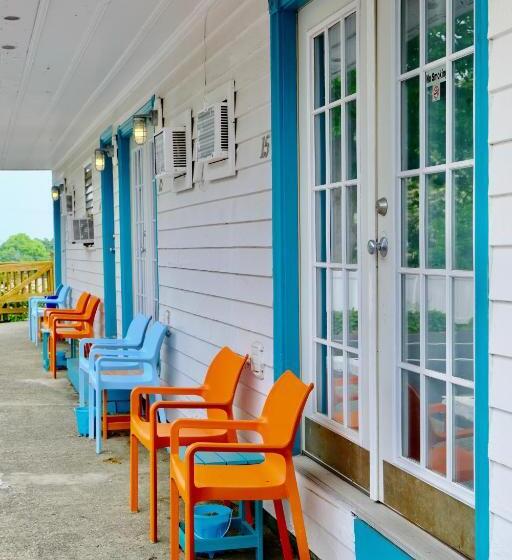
<point x="58" y="499"/>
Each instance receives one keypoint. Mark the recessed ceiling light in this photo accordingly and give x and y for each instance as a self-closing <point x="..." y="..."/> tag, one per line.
<point x="12" y="18"/>
<point x="8" y="47"/>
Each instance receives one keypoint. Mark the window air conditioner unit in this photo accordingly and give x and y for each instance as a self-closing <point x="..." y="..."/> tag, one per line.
<point x="213" y="133"/>
<point x="83" y="231"/>
<point x="172" y="152"/>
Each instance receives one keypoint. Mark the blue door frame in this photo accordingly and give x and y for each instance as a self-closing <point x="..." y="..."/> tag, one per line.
<point x="285" y="226"/>
<point x="124" y="133"/>
<point x="107" y="224"/>
<point x="57" y="243"/>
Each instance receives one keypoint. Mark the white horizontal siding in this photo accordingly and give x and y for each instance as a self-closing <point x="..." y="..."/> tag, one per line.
<point x="500" y="208"/>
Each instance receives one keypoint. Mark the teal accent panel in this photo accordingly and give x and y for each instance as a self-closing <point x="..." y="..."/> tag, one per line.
<point x="482" y="518"/>
<point x="371" y="545"/>
<point x="57" y="243"/>
<point x="109" y="258"/>
<point x="125" y="230"/>
<point x="126" y="128"/>
<point x="106" y="136"/>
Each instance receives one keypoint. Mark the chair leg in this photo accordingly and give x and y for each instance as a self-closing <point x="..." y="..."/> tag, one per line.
<point x="134" y="474"/>
<point x="283" y="531"/>
<point x="189" y="529"/>
<point x="153" y="491"/>
<point x="90" y="406"/>
<point x="298" y="521"/>
<point x="97" y="417"/>
<point x="81" y="387"/>
<point x="174" y="533"/>
<point x="104" y="417"/>
<point x="258" y="525"/>
<point x="53" y="355"/>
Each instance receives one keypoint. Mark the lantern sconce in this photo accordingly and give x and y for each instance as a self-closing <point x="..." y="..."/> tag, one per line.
<point x="140" y="126"/>
<point x="101" y="155"/>
<point x="55" y="193"/>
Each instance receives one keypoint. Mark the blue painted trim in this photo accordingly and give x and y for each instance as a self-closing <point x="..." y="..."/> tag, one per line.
<point x="107" y="222"/>
<point x="126" y="128"/>
<point x="370" y="544"/>
<point x="106" y="136"/>
<point x="125" y="230"/>
<point x="157" y="279"/>
<point x="57" y="243"/>
<point x="481" y="204"/>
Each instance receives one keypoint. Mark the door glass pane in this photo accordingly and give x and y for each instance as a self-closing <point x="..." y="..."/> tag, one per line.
<point x="411" y="324"/>
<point x="410" y="123"/>
<point x="463" y="108"/>
<point x="353" y="392"/>
<point x="321" y="378"/>
<point x="350" y="55"/>
<point x="351" y="116"/>
<point x="321" y="303"/>
<point x="319" y="75"/>
<point x="338" y="297"/>
<point x="336" y="226"/>
<point x="435" y="220"/>
<point x="320" y="149"/>
<point x="353" y="310"/>
<point x="411" y="222"/>
<point x="351" y="200"/>
<point x="463" y="24"/>
<point x="320" y="225"/>
<point x="436" y="29"/>
<point x="410" y="34"/>
<point x="436" y="425"/>
<point x="335" y="62"/>
<point x="411" y="425"/>
<point x="335" y="144"/>
<point x="462" y="187"/>
<point x="337" y="385"/>
<point x="463" y="434"/>
<point x="436" y="323"/>
<point x="463" y="319"/>
<point x="436" y="117"/>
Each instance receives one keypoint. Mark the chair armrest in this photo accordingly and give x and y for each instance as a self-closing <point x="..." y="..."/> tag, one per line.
<point x="246" y="425"/>
<point x="190" y="405"/>
<point x="152" y="390"/>
<point x="98" y="364"/>
<point x="98" y="350"/>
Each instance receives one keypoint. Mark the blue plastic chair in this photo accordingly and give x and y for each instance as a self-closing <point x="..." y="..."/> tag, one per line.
<point x="132" y="341"/>
<point x="62" y="300"/>
<point x="35" y="302"/>
<point x="146" y="361"/>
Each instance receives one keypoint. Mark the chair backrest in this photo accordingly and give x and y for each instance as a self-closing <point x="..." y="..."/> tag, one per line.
<point x="90" y="310"/>
<point x="81" y="302"/>
<point x="63" y="296"/>
<point x="222" y="378"/>
<point x="153" y="342"/>
<point x="58" y="290"/>
<point x="283" y="409"/>
<point x="137" y="330"/>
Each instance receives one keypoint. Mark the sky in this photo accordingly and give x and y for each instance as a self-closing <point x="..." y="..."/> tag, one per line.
<point x="26" y="205"/>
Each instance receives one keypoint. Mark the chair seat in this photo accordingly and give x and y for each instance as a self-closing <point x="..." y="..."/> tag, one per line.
<point x="141" y="429"/>
<point x="265" y="481"/>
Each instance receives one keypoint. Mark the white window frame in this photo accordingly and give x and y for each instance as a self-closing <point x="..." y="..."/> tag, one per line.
<point x="420" y="471"/>
<point x="308" y="262"/>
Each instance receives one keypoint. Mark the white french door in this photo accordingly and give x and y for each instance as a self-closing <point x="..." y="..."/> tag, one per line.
<point x="386" y="211"/>
<point x="144" y="231"/>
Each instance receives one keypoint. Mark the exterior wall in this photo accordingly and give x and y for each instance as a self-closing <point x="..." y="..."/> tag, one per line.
<point x="500" y="188"/>
<point x="83" y="266"/>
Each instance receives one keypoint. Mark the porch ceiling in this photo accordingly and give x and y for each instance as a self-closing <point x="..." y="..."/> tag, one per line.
<point x="72" y="58"/>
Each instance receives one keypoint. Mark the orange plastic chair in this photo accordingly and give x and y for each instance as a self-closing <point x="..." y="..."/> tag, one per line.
<point x="79" y="309"/>
<point x="71" y="326"/>
<point x="217" y="394"/>
<point x="273" y="479"/>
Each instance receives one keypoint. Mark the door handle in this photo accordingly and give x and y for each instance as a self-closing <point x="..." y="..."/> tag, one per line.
<point x="112" y="249"/>
<point x="378" y="245"/>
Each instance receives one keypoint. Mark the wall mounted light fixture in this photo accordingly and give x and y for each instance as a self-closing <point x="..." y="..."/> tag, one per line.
<point x="140" y="126"/>
<point x="55" y="193"/>
<point x="100" y="157"/>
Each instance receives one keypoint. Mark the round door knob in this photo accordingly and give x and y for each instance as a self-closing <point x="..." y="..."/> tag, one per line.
<point x="381" y="246"/>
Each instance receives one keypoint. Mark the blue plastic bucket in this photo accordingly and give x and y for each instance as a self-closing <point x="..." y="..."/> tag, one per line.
<point x="211" y="521"/>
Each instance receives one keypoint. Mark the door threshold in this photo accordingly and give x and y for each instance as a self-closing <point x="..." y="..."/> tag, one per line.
<point x="406" y="536"/>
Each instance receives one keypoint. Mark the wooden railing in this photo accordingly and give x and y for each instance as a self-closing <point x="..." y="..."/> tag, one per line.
<point x="19" y="282"/>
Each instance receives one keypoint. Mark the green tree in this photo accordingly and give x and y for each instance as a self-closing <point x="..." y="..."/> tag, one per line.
<point x="20" y="248"/>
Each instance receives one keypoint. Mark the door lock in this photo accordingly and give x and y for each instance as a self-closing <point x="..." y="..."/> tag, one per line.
<point x="382" y="206"/>
<point x="381" y="246"/>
